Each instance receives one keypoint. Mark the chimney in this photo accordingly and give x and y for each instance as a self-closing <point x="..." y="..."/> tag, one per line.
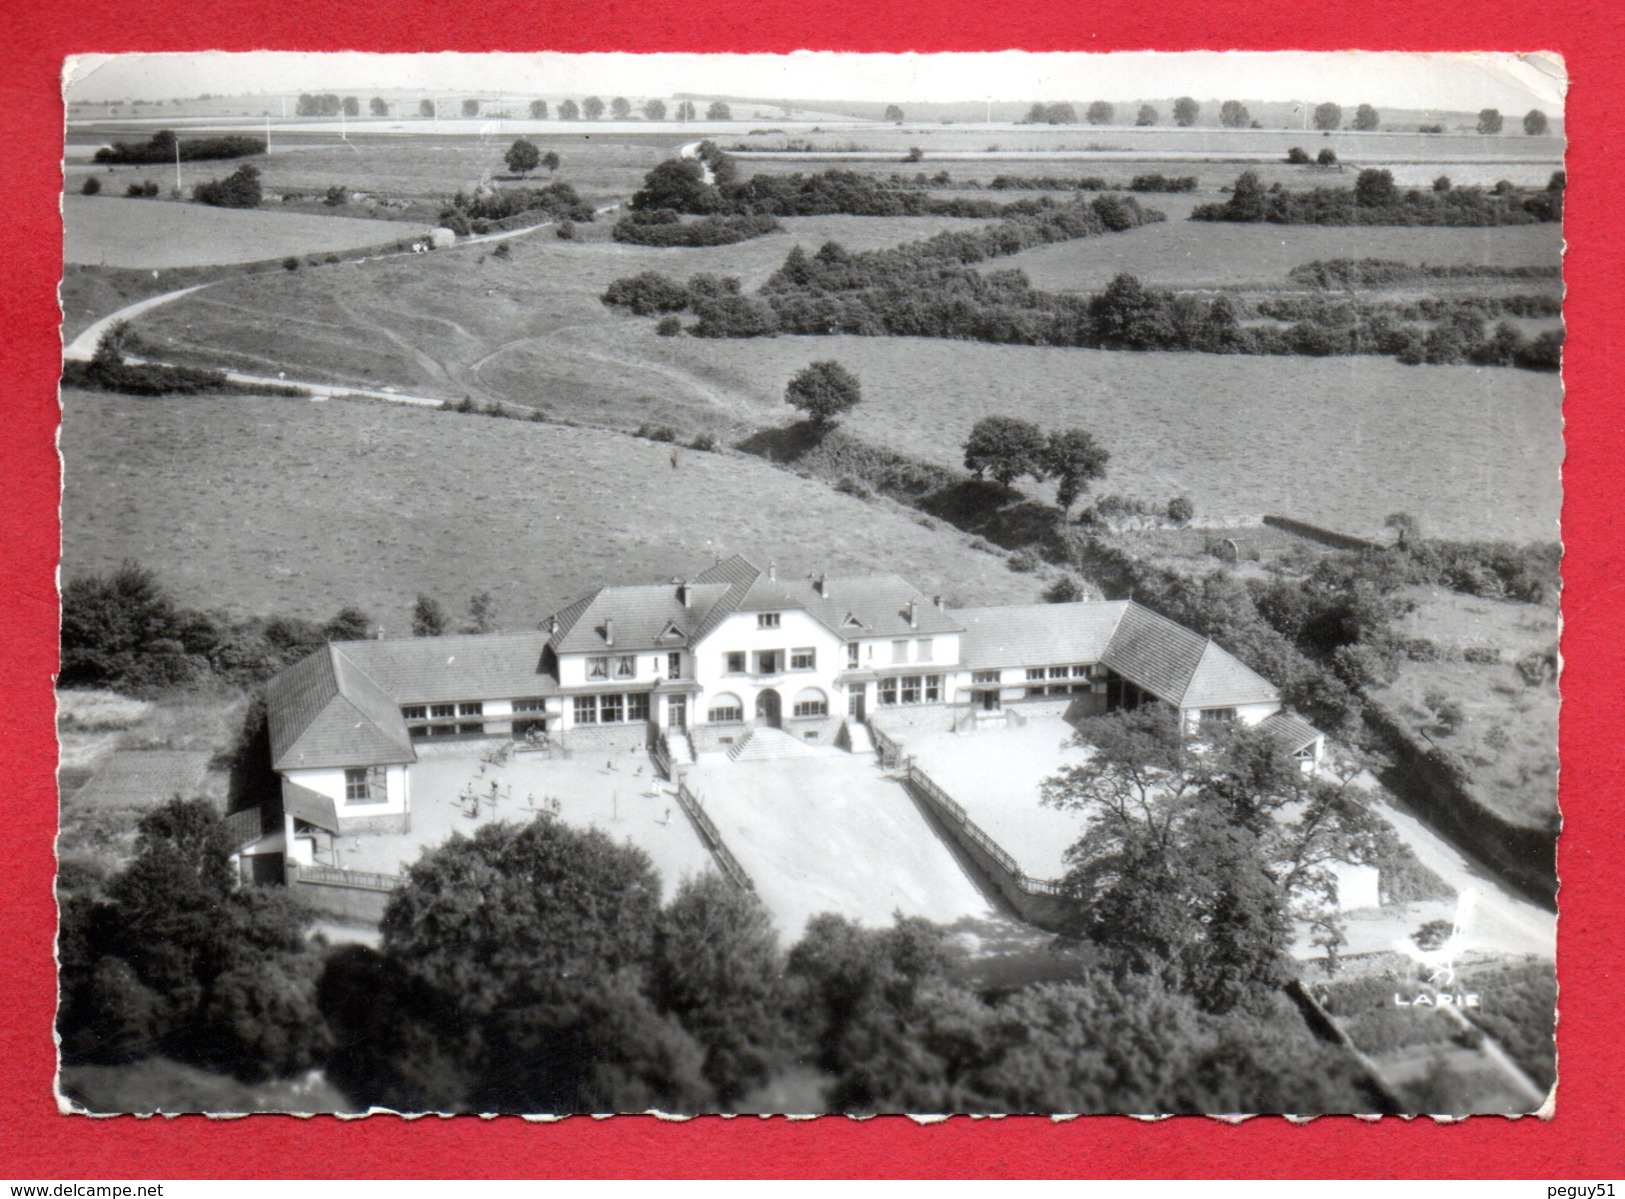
<point x="937" y="600"/>
<point x="609" y="631"/>
<point x="685" y="596"/>
<point x="822" y="584"/>
<point x="772" y="572"/>
<point x="913" y="616"/>
<point x="553" y="626"/>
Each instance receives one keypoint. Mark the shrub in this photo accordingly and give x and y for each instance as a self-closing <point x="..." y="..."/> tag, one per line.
<point x="657" y="432"/>
<point x="847" y="485"/>
<point x="240" y="189"/>
<point x="1537" y="668"/>
<point x="647" y="294"/>
<point x="142" y="189"/>
<point x="566" y="231"/>
<point x="92" y="186"/>
<point x="503" y="251"/>
<point x="1327" y="157"/>
<point x="1025" y="561"/>
<point x="1180" y="510"/>
<point x="639" y="229"/>
<point x="290" y="263"/>
<point x="1298" y="156"/>
<point x="706" y="443"/>
<point x="735" y="316"/>
<point x="1482" y="655"/>
<point x="161" y="148"/>
<point x="336" y="196"/>
<point x="669" y="326"/>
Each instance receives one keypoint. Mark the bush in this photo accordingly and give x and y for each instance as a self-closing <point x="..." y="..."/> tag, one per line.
<point x="1025" y="561"/>
<point x="639" y="230"/>
<point x="657" y="432"/>
<point x="142" y="189"/>
<point x="161" y="148"/>
<point x="1181" y="511"/>
<point x="735" y="316"/>
<point x="1482" y="655"/>
<point x="847" y="485"/>
<point x="1298" y="156"/>
<point x="647" y="294"/>
<point x="706" y="443"/>
<point x="669" y="326"/>
<point x="1327" y="157"/>
<point x="240" y="189"/>
<point x="566" y="231"/>
<point x="290" y="263"/>
<point x="92" y="186"/>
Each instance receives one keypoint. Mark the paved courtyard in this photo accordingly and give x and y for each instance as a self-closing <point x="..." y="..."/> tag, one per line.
<point x="832" y="833"/>
<point x="630" y="806"/>
<point x="996" y="773"/>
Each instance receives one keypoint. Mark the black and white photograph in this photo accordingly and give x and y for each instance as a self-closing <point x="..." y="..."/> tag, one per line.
<point x="810" y="584"/>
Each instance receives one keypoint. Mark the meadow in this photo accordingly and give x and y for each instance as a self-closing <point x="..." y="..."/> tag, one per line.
<point x="118" y="232"/>
<point x="263" y="506"/>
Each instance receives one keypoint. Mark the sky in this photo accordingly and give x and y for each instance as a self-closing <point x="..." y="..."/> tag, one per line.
<point x="1457" y="82"/>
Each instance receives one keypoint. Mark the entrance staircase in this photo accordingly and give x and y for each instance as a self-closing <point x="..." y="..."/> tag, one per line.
<point x="858" y="740"/>
<point x="766" y="745"/>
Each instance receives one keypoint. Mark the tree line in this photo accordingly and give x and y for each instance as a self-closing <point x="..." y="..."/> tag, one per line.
<point x="1376" y="200"/>
<point x="162" y="146"/>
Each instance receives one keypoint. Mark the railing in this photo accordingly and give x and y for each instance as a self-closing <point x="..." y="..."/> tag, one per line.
<point x="334" y="876"/>
<point x="662" y="755"/>
<point x="731" y="868"/>
<point x="950" y="809"/>
<point x="891" y="753"/>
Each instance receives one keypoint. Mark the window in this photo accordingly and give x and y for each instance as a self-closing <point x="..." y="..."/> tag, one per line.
<point x="1058" y="672"/>
<point x="804" y="659"/>
<point x="899" y="651"/>
<point x="637" y="707"/>
<point x="355" y="785"/>
<point x="586" y="707"/>
<point x="985" y="677"/>
<point x="674" y="665"/>
<point x="811" y="702"/>
<point x="610" y="708"/>
<point x="933" y="688"/>
<point x="852" y="651"/>
<point x="726" y="709"/>
<point x="768" y="661"/>
<point x="1218" y="715"/>
<point x="887" y="689"/>
<point x="415" y="712"/>
<point x="441" y="710"/>
<point x="530" y="705"/>
<point x="598" y="668"/>
<point x="1034" y="674"/>
<point x="767" y="620"/>
<point x="911" y="690"/>
<point x="736" y="663"/>
<point x="473" y="709"/>
<point x="1080" y="672"/>
<point x="924" y="650"/>
<point x="626" y="667"/>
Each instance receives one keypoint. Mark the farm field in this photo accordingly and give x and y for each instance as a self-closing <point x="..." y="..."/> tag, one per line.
<point x="1508" y="738"/>
<point x="294" y="507"/>
<point x="1313" y="438"/>
<point x="119" y="232"/>
<point x="1200" y="254"/>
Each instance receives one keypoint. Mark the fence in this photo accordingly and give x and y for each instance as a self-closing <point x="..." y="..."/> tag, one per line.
<point x="731" y="868"/>
<point x="334" y="876"/>
<point x="661" y="752"/>
<point x="950" y="810"/>
<point x="891" y="753"/>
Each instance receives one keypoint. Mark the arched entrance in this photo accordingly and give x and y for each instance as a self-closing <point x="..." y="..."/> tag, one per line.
<point x="768" y="708"/>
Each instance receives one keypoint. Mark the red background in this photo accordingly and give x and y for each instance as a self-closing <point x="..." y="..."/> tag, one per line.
<point x="1583" y="1141"/>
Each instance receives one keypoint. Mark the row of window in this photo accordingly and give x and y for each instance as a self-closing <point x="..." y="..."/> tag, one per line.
<point x="916" y="689"/>
<point x="611" y="709"/>
<point x="442" y="720"/>
<point x="771" y="661"/>
<point x="625" y="666"/>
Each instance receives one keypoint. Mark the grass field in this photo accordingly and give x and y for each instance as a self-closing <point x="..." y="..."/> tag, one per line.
<point x="119" y="232"/>
<point x="1509" y="736"/>
<point x="289" y="506"/>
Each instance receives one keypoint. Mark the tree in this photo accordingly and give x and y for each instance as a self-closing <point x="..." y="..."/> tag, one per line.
<point x="718" y="969"/>
<point x="379" y="106"/>
<point x="1534" y="122"/>
<point x="1375" y="189"/>
<point x="1128" y="315"/>
<point x="551" y="160"/>
<point x="1407" y="531"/>
<point x="685" y="111"/>
<point x="1366" y="118"/>
<point x="1233" y="114"/>
<point x="1074" y="459"/>
<point x="352" y="106"/>
<point x="523" y="157"/>
<point x="718" y="111"/>
<point x="124" y="630"/>
<point x="1489" y="120"/>
<point x="1328" y="116"/>
<point x="893" y="114"/>
<point x="471" y="107"/>
<point x="482" y="613"/>
<point x="568" y="111"/>
<point x="592" y="108"/>
<point x="654" y="110"/>
<point x="351" y="624"/>
<point x="1181" y="511"/>
<point x="1148" y="115"/>
<point x="677" y="184"/>
<point x="620" y="108"/>
<point x="1100" y="112"/>
<point x="823" y="390"/>
<point x="1060" y="113"/>
<point x="1186" y="111"/>
<point x="538" y="110"/>
<point x="1005" y="447"/>
<point x="92" y="186"/>
<point x="428" y="619"/>
<point x="240" y="189"/>
<point x="426" y="108"/>
<point x="1327" y="157"/>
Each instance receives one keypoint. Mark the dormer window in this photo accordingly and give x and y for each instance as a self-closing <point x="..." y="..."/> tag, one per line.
<point x="767" y="620"/>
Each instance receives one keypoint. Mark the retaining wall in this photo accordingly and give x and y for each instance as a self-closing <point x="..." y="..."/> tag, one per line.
<point x="350" y="905"/>
<point x="1338" y="541"/>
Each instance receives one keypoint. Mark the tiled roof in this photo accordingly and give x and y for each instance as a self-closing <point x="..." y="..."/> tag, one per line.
<point x="1036" y="634"/>
<point x="324" y="711"/>
<point x="1293" y="731"/>
<point x="879" y="603"/>
<point x="641" y="616"/>
<point x="1155" y="653"/>
<point x="1221" y="681"/>
<point x="310" y="806"/>
<point x="419" y="670"/>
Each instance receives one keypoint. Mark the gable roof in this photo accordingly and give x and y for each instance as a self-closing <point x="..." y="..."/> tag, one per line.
<point x="325" y="711"/>
<point x="1222" y="681"/>
<point x="879" y="602"/>
<point x="310" y="806"/>
<point x="1037" y="634"/>
<point x="468" y="666"/>
<point x="641" y="616"/>
<point x="1291" y="730"/>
